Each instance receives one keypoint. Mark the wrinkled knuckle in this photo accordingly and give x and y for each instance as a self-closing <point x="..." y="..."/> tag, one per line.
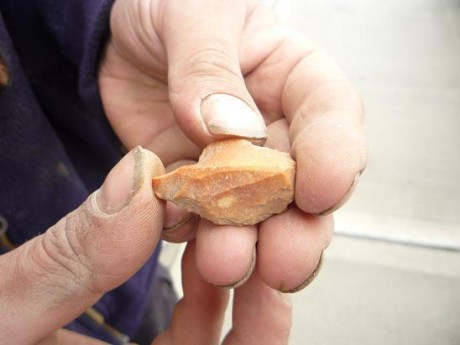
<point x="64" y="253"/>
<point x="209" y="62"/>
<point x="207" y="66"/>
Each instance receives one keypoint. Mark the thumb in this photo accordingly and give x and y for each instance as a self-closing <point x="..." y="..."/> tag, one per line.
<point x="206" y="87"/>
<point x="90" y="251"/>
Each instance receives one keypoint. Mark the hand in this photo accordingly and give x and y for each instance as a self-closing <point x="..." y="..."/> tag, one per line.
<point x="53" y="278"/>
<point x="178" y="75"/>
<point x="261" y="315"/>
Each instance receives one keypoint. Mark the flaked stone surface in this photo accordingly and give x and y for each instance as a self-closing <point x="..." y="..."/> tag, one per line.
<point x="234" y="182"/>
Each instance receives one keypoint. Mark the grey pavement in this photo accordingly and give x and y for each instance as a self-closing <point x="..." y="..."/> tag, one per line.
<point x="392" y="273"/>
<point x="377" y="293"/>
<point x="404" y="56"/>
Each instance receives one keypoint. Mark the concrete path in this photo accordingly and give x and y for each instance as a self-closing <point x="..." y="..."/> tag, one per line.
<point x="404" y="56"/>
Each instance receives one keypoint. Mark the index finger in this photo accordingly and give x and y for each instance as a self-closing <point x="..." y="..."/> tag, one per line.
<point x="289" y="77"/>
<point x="325" y="114"/>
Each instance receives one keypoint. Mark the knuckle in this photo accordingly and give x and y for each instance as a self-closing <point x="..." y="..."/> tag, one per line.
<point x="210" y="61"/>
<point x="207" y="65"/>
<point x="63" y="256"/>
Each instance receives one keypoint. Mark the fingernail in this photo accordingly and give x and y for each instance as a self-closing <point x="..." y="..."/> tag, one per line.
<point x="245" y="277"/>
<point x="344" y="198"/>
<point x="182" y="231"/>
<point x="310" y="278"/>
<point x="174" y="227"/>
<point x="230" y="116"/>
<point x="123" y="181"/>
<point x="174" y="216"/>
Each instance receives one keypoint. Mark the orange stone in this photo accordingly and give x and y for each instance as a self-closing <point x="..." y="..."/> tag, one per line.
<point x="234" y="182"/>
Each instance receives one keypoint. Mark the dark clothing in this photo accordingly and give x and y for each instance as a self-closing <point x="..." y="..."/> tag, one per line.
<point x="56" y="145"/>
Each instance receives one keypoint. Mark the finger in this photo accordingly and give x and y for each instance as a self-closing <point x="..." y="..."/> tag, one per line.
<point x="278" y="136"/>
<point x="199" y="315"/>
<point x="290" y="247"/>
<point x="326" y="131"/>
<point x="92" y="250"/>
<point x="261" y="315"/>
<point x="325" y="112"/>
<point x="206" y="88"/>
<point x="269" y="51"/>
<point x="225" y="254"/>
<point x="180" y="225"/>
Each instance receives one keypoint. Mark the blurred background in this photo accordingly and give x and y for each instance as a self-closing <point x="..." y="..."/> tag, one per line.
<point x="392" y="273"/>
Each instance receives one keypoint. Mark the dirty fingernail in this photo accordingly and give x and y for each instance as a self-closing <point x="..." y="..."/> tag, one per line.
<point x="174" y="216"/>
<point x="183" y="231"/>
<point x="230" y="116"/>
<point x="245" y="277"/>
<point x="121" y="183"/>
<point x="310" y="278"/>
<point x="345" y="198"/>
